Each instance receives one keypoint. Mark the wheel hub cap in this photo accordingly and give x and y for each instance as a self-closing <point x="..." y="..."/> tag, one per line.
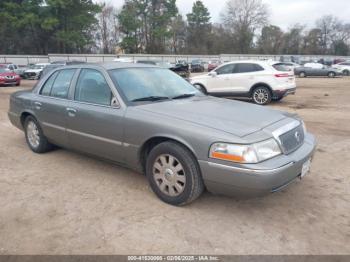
<point x="33" y="134"/>
<point x="169" y="175"/>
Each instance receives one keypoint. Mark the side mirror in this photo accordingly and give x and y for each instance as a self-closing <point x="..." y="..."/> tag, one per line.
<point x="213" y="74"/>
<point x="115" y="102"/>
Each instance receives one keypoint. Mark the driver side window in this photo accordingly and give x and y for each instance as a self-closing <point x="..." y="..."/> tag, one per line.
<point x="93" y="88"/>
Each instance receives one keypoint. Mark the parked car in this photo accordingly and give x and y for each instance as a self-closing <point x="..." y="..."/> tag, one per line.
<point x="12" y="68"/>
<point x="182" y="69"/>
<point x="9" y="77"/>
<point x="213" y="64"/>
<point x="344" y="67"/>
<point x="179" y="69"/>
<point x="254" y="79"/>
<point x="35" y="71"/>
<point x="197" y="65"/>
<point x="306" y="71"/>
<point x="149" y="119"/>
<point x="57" y="64"/>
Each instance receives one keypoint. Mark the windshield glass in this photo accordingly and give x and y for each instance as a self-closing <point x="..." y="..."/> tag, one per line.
<point x="2" y="70"/>
<point x="138" y="83"/>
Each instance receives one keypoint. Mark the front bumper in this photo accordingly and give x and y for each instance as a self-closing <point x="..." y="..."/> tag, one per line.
<point x="257" y="179"/>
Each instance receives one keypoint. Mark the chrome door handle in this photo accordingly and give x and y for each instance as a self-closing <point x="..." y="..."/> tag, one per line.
<point x="71" y="111"/>
<point x="38" y="105"/>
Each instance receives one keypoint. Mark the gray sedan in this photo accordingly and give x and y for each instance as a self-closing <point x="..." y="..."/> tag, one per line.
<point x="324" y="71"/>
<point x="151" y="120"/>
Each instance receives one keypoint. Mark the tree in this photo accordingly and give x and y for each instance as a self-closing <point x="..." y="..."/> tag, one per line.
<point x="271" y="40"/>
<point x="243" y="18"/>
<point x="147" y="24"/>
<point x="199" y="28"/>
<point x="108" y="32"/>
<point x="294" y="40"/>
<point x="178" y="38"/>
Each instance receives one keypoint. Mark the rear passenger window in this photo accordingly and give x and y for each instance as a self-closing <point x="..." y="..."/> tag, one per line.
<point x="93" y="88"/>
<point x="61" y="85"/>
<point x="46" y="90"/>
<point x="248" y="68"/>
<point x="226" y="69"/>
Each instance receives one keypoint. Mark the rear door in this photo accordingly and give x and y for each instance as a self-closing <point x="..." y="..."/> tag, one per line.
<point x="95" y="125"/>
<point x="50" y="105"/>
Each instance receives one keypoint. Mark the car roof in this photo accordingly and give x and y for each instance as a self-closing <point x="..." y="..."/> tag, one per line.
<point x="112" y="65"/>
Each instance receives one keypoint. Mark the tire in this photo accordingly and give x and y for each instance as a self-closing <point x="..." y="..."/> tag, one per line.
<point x="302" y="74"/>
<point x="201" y="88"/>
<point x="174" y="174"/>
<point x="331" y="74"/>
<point x="35" y="138"/>
<point x="18" y="84"/>
<point x="261" y="95"/>
<point x="346" y="72"/>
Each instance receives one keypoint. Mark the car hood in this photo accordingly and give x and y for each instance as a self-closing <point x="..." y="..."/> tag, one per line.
<point x="8" y="74"/>
<point x="234" y="117"/>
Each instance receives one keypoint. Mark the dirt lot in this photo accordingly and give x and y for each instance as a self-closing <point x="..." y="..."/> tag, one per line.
<point x="66" y="203"/>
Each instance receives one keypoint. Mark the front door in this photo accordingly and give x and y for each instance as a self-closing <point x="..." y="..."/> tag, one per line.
<point x="94" y="126"/>
<point x="222" y="81"/>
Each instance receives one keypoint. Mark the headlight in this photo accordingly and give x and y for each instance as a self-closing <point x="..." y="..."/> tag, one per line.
<point x="253" y="153"/>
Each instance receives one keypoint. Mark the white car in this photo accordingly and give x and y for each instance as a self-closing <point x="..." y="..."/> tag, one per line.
<point x="258" y="80"/>
<point x="344" y="67"/>
<point x="35" y="71"/>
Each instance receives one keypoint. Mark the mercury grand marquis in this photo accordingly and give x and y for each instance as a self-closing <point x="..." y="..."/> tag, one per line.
<point x="151" y="120"/>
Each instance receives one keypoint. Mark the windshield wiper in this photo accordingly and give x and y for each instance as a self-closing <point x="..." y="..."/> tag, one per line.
<point x="184" y="96"/>
<point x="150" y="98"/>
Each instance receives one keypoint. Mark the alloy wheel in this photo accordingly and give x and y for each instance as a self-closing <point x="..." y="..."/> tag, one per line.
<point x="261" y="96"/>
<point x="33" y="134"/>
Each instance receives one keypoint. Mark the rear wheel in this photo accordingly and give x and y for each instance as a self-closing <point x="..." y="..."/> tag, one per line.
<point x="346" y="72"/>
<point x="302" y="74"/>
<point x="35" y="138"/>
<point x="174" y="174"/>
<point x="261" y="95"/>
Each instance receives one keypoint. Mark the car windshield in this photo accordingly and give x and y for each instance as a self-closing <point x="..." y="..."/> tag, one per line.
<point x="2" y="70"/>
<point x="151" y="84"/>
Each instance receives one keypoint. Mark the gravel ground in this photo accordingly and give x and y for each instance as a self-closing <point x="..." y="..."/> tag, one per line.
<point x="66" y="203"/>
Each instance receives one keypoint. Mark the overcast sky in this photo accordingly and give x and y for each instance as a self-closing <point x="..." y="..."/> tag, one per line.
<point x="284" y="13"/>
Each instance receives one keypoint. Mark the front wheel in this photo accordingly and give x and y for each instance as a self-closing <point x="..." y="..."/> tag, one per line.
<point x="174" y="174"/>
<point x="262" y="95"/>
<point x="35" y="138"/>
<point x="331" y="74"/>
<point x="346" y="72"/>
<point x="201" y="88"/>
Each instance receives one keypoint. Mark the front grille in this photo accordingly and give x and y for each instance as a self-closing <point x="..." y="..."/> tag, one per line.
<point x="292" y="140"/>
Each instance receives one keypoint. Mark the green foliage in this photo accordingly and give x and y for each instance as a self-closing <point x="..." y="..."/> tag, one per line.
<point x="199" y="29"/>
<point x="37" y="26"/>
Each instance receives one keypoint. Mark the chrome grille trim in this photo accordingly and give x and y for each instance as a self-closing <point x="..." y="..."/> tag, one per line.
<point x="289" y="130"/>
